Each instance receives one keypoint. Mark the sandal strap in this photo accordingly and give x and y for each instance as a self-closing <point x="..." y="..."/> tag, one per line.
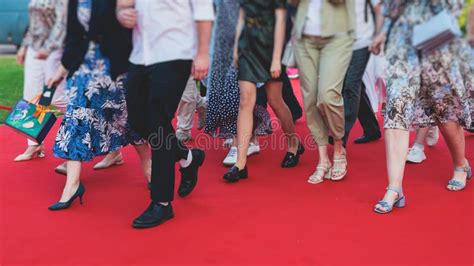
<point x="396" y="190"/>
<point x="464" y="169"/>
<point x="456" y="183"/>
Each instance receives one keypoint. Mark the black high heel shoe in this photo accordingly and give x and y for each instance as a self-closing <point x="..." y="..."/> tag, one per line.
<point x="235" y="174"/>
<point x="64" y="205"/>
<point x="291" y="159"/>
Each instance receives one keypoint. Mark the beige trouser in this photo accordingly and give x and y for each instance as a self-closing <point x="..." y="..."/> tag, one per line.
<point x="37" y="73"/>
<point x="322" y="64"/>
<point x="190" y="101"/>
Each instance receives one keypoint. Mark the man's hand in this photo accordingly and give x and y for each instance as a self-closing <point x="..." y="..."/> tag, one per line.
<point x="200" y="66"/>
<point x="127" y="17"/>
<point x="20" y="55"/>
<point x="59" y="76"/>
<point x="42" y="54"/>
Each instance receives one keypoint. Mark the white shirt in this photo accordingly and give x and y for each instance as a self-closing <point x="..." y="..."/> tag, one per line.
<point x="364" y="30"/>
<point x="312" y="26"/>
<point x="166" y="30"/>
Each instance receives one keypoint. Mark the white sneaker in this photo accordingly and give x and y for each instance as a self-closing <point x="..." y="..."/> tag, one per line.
<point x="231" y="157"/>
<point x="416" y="155"/>
<point x="228" y="143"/>
<point x="433" y="136"/>
<point x="253" y="149"/>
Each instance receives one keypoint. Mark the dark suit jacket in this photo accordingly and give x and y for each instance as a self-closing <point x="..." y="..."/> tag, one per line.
<point x="114" y="40"/>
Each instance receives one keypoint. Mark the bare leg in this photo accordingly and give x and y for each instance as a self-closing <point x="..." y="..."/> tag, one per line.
<point x="72" y="181"/>
<point x="275" y="99"/>
<point x="396" y="145"/>
<point x="143" y="152"/>
<point x="453" y="133"/>
<point x="421" y="136"/>
<point x="248" y="97"/>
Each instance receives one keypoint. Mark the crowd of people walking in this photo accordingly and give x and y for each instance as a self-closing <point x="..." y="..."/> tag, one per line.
<point x="124" y="69"/>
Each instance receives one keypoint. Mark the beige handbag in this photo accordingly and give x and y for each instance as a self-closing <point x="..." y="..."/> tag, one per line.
<point x="289" y="55"/>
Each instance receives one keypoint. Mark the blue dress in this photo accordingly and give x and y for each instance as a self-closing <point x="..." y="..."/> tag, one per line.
<point x="95" y="122"/>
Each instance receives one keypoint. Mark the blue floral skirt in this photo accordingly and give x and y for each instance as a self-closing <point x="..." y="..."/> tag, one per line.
<point x="95" y="122"/>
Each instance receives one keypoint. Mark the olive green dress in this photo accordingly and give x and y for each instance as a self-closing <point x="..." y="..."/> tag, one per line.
<point x="256" y="39"/>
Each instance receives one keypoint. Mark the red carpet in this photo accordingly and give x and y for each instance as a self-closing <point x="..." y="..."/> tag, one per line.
<point x="274" y="217"/>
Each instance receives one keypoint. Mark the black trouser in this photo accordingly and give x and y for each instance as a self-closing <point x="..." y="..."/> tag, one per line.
<point x="352" y="92"/>
<point x="153" y="96"/>
<point x="288" y="96"/>
<point x="366" y="116"/>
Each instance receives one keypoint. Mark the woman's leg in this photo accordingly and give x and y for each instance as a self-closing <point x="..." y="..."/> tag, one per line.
<point x="144" y="154"/>
<point x="111" y="159"/>
<point x="248" y="96"/>
<point x="396" y="145"/>
<point x="34" y="76"/>
<point x="453" y="133"/>
<point x="275" y="99"/>
<point x="72" y="181"/>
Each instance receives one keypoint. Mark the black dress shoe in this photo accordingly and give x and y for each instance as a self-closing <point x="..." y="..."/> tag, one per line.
<point x="64" y="205"/>
<point x="291" y="159"/>
<point x="189" y="175"/>
<point x="367" y="138"/>
<point x="154" y="215"/>
<point x="235" y="174"/>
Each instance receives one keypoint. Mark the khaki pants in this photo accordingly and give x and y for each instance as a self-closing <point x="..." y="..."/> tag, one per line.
<point x="190" y="101"/>
<point x="322" y="64"/>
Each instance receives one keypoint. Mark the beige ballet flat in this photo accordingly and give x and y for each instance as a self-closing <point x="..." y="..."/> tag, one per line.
<point x="106" y="162"/>
<point x="37" y="151"/>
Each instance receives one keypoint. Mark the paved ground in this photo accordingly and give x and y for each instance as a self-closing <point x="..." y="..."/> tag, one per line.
<point x="7" y="49"/>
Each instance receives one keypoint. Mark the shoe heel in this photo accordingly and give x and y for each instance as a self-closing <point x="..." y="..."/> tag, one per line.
<point x="328" y="174"/>
<point x="244" y="174"/>
<point x="80" y="199"/>
<point x="469" y="174"/>
<point x="400" y="203"/>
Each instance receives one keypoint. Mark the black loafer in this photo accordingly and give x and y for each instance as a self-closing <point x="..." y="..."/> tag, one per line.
<point x="154" y="215"/>
<point x="291" y="159"/>
<point x="235" y="174"/>
<point x="367" y="138"/>
<point x="189" y="175"/>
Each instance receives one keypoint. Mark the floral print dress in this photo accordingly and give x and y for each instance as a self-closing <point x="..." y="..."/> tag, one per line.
<point x="423" y="89"/>
<point x="95" y="122"/>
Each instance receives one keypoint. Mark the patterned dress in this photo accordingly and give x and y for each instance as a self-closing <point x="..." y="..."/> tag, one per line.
<point x="223" y="85"/>
<point x="95" y="122"/>
<point x="423" y="89"/>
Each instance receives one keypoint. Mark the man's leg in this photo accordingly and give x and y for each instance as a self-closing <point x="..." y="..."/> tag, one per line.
<point x="168" y="81"/>
<point x="367" y="117"/>
<point x="352" y="88"/>
<point x="290" y="98"/>
<point x="137" y="91"/>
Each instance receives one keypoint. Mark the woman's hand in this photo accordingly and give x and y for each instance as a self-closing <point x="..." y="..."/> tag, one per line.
<point x="235" y="58"/>
<point x="127" y="17"/>
<point x="42" y="54"/>
<point x="275" y="69"/>
<point x="470" y="39"/>
<point x="58" y="77"/>
<point x="20" y="55"/>
<point x="378" y="43"/>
